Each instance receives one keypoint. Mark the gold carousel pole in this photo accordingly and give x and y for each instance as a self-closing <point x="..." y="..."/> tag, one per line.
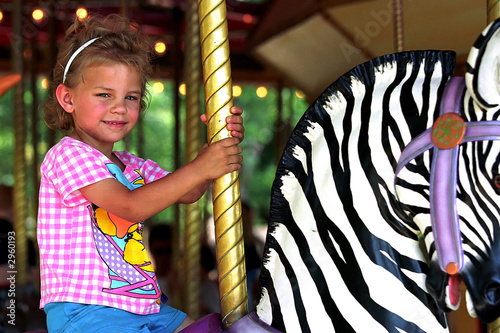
<point x="492" y="13"/>
<point x="397" y="7"/>
<point x="226" y="189"/>
<point x="493" y="10"/>
<point x="192" y="234"/>
<point x="20" y="205"/>
<point x="494" y="327"/>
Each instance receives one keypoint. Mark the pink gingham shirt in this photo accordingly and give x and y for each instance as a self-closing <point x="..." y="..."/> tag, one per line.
<point x="81" y="261"/>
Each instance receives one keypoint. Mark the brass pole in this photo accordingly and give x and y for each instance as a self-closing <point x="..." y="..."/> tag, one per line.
<point x="397" y="6"/>
<point x="494" y="327"/>
<point x="178" y="227"/>
<point x="226" y="190"/>
<point x="20" y="205"/>
<point x="124" y="8"/>
<point x="280" y="126"/>
<point x="140" y="122"/>
<point x="52" y="55"/>
<point x="192" y="235"/>
<point x="34" y="122"/>
<point x="124" y="13"/>
<point x="493" y="10"/>
<point x="492" y="13"/>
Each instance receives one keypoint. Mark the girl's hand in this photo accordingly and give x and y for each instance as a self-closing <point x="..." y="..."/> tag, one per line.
<point x="234" y="123"/>
<point x="212" y="162"/>
<point x="219" y="158"/>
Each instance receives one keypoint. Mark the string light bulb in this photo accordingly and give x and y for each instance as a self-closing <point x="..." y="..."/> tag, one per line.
<point x="37" y="15"/>
<point x="182" y="89"/>
<point x="237" y="91"/>
<point x="158" y="87"/>
<point x="261" y="91"/>
<point x="45" y="83"/>
<point x="247" y="18"/>
<point x="160" y="47"/>
<point x="81" y="13"/>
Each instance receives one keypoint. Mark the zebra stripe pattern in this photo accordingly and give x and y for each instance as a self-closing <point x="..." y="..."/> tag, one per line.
<point x="340" y="248"/>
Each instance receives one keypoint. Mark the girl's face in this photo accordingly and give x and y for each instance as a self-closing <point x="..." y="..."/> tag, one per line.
<point x="106" y="104"/>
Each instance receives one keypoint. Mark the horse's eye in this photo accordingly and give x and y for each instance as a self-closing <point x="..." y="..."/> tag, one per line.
<point x="496" y="181"/>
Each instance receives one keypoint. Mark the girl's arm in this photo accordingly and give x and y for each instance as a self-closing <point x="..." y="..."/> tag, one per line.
<point x="140" y="204"/>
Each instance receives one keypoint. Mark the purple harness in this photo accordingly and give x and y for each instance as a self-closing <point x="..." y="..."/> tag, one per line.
<point x="445" y="136"/>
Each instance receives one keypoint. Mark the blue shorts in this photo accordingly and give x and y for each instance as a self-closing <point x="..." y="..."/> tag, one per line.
<point x="75" y="317"/>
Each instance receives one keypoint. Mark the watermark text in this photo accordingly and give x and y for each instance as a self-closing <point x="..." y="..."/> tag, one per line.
<point x="11" y="278"/>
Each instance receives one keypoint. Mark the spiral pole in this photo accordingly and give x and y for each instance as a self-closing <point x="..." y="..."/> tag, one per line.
<point x="492" y="10"/>
<point x="397" y="7"/>
<point x="192" y="235"/>
<point x="226" y="189"/>
<point x="20" y="203"/>
<point x="494" y="327"/>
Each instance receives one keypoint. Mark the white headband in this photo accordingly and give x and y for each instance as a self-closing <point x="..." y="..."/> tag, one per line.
<point x="77" y="52"/>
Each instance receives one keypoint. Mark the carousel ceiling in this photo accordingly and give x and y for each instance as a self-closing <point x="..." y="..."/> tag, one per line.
<point x="304" y="43"/>
<point x="319" y="41"/>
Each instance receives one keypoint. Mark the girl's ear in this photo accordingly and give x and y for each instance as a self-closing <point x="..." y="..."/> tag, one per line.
<point x="64" y="98"/>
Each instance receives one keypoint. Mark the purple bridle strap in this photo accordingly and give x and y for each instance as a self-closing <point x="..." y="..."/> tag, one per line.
<point x="443" y="181"/>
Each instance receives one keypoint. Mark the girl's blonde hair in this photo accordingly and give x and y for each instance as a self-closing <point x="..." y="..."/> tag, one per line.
<point x="119" y="42"/>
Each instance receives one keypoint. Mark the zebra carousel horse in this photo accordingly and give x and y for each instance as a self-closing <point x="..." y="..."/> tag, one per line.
<point x="386" y="196"/>
<point x="394" y="157"/>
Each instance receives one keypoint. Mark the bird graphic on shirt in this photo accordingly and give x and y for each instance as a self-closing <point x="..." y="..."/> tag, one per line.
<point x="134" y="252"/>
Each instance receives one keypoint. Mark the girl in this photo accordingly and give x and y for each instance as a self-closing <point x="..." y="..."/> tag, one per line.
<point x="96" y="275"/>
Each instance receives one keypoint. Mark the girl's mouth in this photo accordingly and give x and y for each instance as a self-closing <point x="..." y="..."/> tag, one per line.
<point x="115" y="123"/>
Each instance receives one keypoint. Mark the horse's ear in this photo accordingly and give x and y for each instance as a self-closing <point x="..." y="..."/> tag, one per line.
<point x="483" y="68"/>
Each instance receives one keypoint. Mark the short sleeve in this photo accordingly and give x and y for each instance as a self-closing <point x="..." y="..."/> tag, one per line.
<point x="149" y="169"/>
<point x="152" y="171"/>
<point x="71" y="167"/>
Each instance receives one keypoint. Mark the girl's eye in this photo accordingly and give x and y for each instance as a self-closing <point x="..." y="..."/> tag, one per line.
<point x="132" y="98"/>
<point x="103" y="95"/>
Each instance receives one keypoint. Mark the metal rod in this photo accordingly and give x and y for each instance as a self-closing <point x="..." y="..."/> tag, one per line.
<point x="226" y="190"/>
<point x="34" y="128"/>
<point x="494" y="327"/>
<point x="398" y="25"/>
<point x="20" y="204"/>
<point x="492" y="10"/>
<point x="192" y="234"/>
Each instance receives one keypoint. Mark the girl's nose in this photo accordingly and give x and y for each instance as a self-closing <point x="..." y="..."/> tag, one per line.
<point x="119" y="107"/>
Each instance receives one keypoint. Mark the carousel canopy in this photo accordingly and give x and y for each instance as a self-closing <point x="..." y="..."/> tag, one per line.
<point x="313" y="42"/>
<point x="304" y="43"/>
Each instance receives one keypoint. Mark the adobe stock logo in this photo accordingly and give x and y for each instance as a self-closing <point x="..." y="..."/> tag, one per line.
<point x="364" y="35"/>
